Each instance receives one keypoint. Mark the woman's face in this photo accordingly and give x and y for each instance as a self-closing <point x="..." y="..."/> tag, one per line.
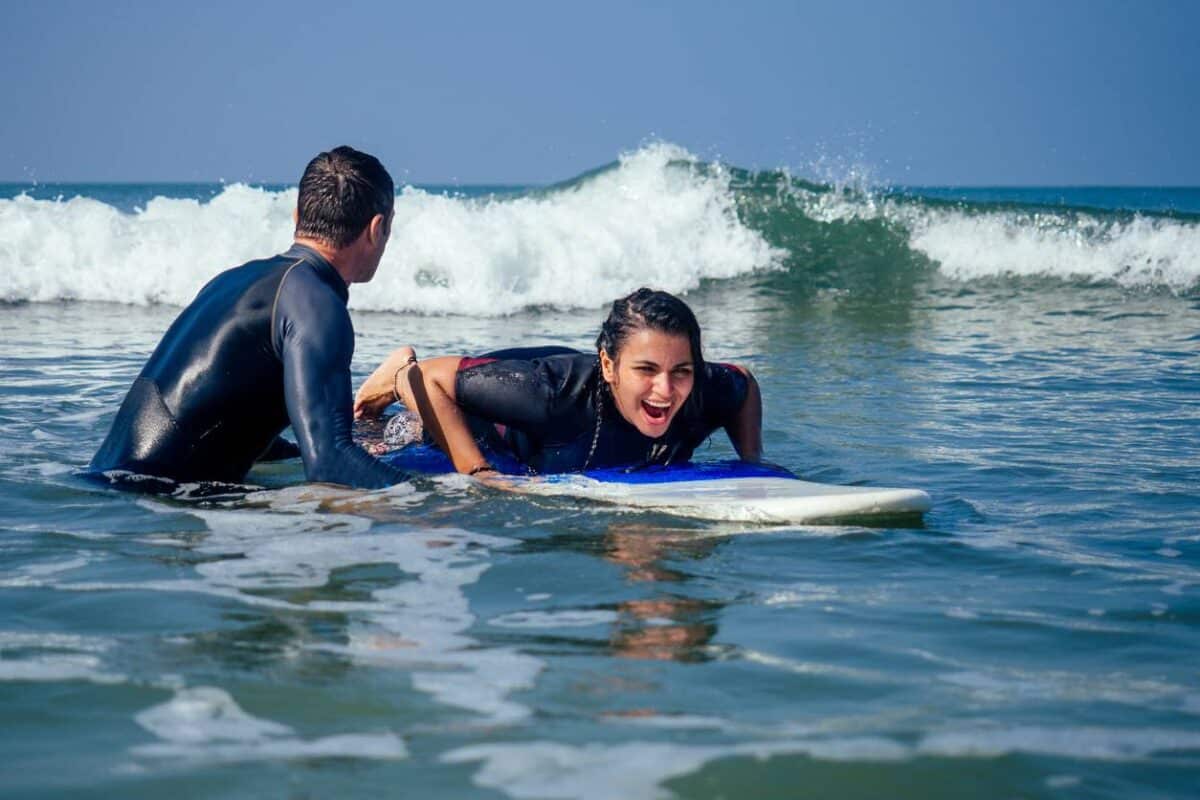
<point x="652" y="376"/>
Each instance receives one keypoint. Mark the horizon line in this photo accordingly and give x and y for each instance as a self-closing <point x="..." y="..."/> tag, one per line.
<point x="537" y="185"/>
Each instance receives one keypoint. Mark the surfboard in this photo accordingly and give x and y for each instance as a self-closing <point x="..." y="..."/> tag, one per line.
<point x="731" y="491"/>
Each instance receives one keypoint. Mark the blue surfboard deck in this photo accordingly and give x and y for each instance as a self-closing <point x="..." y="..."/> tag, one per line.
<point x="429" y="459"/>
<point x="721" y="490"/>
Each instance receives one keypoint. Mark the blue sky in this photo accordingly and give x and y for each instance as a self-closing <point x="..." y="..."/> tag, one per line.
<point x="922" y="92"/>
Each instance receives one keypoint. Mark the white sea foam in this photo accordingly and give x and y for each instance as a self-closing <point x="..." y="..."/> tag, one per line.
<point x="1004" y="686"/>
<point x="635" y="769"/>
<point x="1136" y="251"/>
<point x="815" y="667"/>
<point x="654" y="219"/>
<point x="801" y="594"/>
<point x="659" y="217"/>
<point x="204" y="724"/>
<point x="43" y="573"/>
<point x="554" y="619"/>
<point x="84" y="249"/>
<point x="418" y="624"/>
<point x="1090" y="743"/>
<point x="421" y="625"/>
<point x="56" y="668"/>
<point x="29" y="656"/>
<point x="14" y="640"/>
<point x="1139" y="252"/>
<point x="541" y="769"/>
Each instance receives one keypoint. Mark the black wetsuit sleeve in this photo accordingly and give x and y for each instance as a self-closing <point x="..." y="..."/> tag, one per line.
<point x="725" y="389"/>
<point x="316" y="342"/>
<point x="512" y="392"/>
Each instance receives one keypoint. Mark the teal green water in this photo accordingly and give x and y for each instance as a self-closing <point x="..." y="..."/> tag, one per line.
<point x="1034" y="637"/>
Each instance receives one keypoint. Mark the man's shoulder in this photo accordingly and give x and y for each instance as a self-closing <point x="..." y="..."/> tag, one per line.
<point x="250" y="272"/>
<point x="308" y="307"/>
<point x="302" y="287"/>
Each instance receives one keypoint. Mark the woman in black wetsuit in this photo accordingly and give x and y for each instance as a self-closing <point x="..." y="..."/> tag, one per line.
<point x="645" y="397"/>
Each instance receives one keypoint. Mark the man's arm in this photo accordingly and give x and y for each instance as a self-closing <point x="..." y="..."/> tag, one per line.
<point x="316" y="342"/>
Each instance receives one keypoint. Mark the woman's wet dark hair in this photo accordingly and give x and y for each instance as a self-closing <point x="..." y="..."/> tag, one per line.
<point x="653" y="309"/>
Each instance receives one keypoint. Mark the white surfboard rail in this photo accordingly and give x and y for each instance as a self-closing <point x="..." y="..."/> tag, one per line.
<point x="749" y="499"/>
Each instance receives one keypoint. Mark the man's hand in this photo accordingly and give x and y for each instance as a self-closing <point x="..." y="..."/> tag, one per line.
<point x="379" y="390"/>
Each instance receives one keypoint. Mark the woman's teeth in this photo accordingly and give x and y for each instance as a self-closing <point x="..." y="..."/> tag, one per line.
<point x="654" y="410"/>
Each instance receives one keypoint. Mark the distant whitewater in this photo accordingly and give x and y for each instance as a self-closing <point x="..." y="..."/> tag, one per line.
<point x="658" y="216"/>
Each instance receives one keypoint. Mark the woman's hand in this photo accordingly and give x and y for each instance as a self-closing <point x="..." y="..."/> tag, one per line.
<point x="380" y="390"/>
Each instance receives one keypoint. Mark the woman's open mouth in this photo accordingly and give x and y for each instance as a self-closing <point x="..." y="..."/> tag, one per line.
<point x="656" y="413"/>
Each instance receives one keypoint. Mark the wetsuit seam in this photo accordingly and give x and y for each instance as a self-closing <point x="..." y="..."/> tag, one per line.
<point x="275" y="306"/>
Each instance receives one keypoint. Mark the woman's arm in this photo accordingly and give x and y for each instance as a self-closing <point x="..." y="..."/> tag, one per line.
<point x="515" y="392"/>
<point x="428" y="388"/>
<point x="745" y="429"/>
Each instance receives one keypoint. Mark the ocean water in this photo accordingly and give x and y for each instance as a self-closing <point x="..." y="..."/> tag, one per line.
<point x="1030" y="357"/>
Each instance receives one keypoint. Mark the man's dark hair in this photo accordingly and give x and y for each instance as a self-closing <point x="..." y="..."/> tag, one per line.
<point x="340" y="193"/>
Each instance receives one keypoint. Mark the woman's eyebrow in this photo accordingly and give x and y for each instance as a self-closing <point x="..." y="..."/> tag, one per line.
<point x="645" y="362"/>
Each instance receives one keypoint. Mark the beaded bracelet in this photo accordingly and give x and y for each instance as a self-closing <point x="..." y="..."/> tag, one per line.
<point x="396" y="378"/>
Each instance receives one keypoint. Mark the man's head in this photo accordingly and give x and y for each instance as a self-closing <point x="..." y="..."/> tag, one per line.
<point x="346" y="200"/>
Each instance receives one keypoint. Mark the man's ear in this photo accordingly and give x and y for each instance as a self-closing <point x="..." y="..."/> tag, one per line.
<point x="377" y="230"/>
<point x="608" y="367"/>
<point x="296" y="217"/>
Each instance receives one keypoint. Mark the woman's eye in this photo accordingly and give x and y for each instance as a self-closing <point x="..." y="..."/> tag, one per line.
<point x="683" y="372"/>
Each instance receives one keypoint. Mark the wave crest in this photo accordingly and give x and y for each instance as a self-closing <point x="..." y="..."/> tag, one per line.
<point x="658" y="217"/>
<point x="970" y="242"/>
<point x="1139" y="252"/>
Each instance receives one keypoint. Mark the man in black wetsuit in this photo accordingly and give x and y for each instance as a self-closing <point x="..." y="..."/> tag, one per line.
<point x="265" y="345"/>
